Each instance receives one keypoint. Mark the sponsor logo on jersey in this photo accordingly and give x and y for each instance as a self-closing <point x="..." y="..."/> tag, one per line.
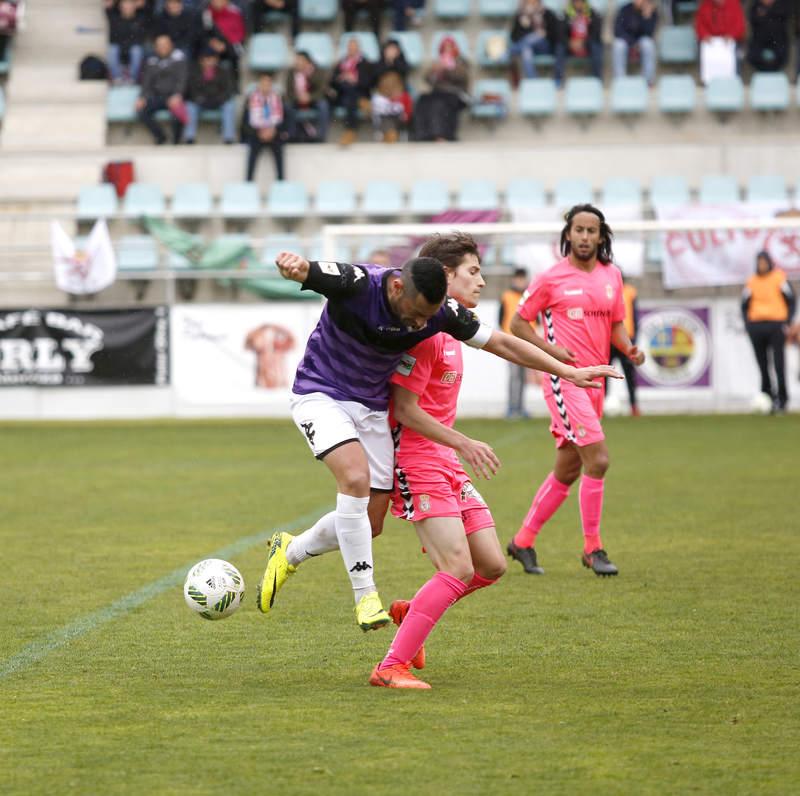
<point x="332" y="269"/>
<point x="450" y="353"/>
<point x="406" y="365"/>
<point x="450" y="377"/>
<point x="576" y="292"/>
<point x="609" y="291"/>
<point x="575" y="313"/>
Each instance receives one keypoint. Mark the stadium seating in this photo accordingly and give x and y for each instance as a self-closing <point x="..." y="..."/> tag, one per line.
<point x="769" y="91"/>
<point x="382" y="199"/>
<point x="429" y="197"/>
<point x="410" y="43"/>
<point x="143" y="199"/>
<point x="336" y="199"/>
<point x="319" y="10"/>
<point x="341" y="254"/>
<point x="137" y="253"/>
<point x="287" y="200"/>
<point x="583" y="96"/>
<point x="492" y="99"/>
<point x="477" y="195"/>
<point x="486" y="58"/>
<point x="192" y="200"/>
<point x="669" y="191"/>
<point x="367" y="40"/>
<point x="497" y="9"/>
<point x="451" y="9"/>
<point x="121" y="103"/>
<point x="275" y="244"/>
<point x="267" y="52"/>
<point x="718" y="189"/>
<point x="676" y="94"/>
<point x="766" y="188"/>
<point x="240" y="201"/>
<point x="725" y="95"/>
<point x="460" y="38"/>
<point x="97" y="201"/>
<point x="629" y="96"/>
<point x="677" y="44"/>
<point x="524" y="194"/>
<point x="571" y="192"/>
<point x="621" y="191"/>
<point x="318" y="45"/>
<point x="537" y="97"/>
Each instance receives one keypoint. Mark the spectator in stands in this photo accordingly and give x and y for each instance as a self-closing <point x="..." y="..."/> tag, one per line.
<point x="8" y="24"/>
<point x="719" y="25"/>
<point x="163" y="87"/>
<point x="634" y="32"/>
<point x="305" y="91"/>
<point x="407" y="12"/>
<point x="436" y="114"/>
<point x="768" y="50"/>
<point x="260" y="9"/>
<point x="127" y="34"/>
<point x="374" y="9"/>
<point x="224" y="31"/>
<point x="535" y="31"/>
<point x="265" y="127"/>
<point x="349" y="88"/>
<point x="768" y="306"/>
<point x="391" y="102"/>
<point x="181" y="24"/>
<point x="211" y="88"/>
<point x="581" y="37"/>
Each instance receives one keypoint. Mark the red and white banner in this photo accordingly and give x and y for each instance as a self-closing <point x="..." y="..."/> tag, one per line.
<point x="703" y="258"/>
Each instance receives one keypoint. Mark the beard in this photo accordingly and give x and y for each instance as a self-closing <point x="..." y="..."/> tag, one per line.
<point x="585" y="256"/>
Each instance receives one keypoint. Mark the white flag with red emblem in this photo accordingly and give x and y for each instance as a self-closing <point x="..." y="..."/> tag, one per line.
<point x="86" y="267"/>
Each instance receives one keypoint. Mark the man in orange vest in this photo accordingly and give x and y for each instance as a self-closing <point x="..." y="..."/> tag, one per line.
<point x="768" y="306"/>
<point x="517" y="375"/>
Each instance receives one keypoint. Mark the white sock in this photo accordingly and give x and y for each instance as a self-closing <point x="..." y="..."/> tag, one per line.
<point x="318" y="539"/>
<point x="355" y="542"/>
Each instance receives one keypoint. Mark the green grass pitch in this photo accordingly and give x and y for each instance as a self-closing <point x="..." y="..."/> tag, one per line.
<point x="678" y="676"/>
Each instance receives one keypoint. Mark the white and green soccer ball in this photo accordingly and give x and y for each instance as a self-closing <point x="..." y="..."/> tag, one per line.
<point x="214" y="588"/>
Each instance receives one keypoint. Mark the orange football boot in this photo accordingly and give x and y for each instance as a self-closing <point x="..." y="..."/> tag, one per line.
<point x="396" y="676"/>
<point x="398" y="610"/>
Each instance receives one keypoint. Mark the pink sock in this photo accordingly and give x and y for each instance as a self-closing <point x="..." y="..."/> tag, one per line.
<point x="477" y="582"/>
<point x="591" y="501"/>
<point x="427" y="607"/>
<point x="552" y="493"/>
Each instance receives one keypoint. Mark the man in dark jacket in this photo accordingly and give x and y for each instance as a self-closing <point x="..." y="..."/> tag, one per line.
<point x="349" y="87"/>
<point x="181" y="24"/>
<point x="768" y="50"/>
<point x="534" y="31"/>
<point x="163" y="87"/>
<point x="127" y="34"/>
<point x="581" y="30"/>
<point x="305" y="95"/>
<point x="635" y="27"/>
<point x="210" y="88"/>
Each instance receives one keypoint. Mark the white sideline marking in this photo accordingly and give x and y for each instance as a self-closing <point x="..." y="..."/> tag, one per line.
<point x="37" y="650"/>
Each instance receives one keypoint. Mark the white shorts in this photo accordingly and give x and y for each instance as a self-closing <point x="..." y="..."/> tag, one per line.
<point x="327" y="424"/>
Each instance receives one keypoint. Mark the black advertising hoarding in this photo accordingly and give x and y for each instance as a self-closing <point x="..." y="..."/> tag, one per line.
<point x="84" y="348"/>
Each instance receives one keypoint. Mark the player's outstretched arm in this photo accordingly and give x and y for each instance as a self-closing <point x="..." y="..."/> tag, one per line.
<point x="292" y="266"/>
<point x="478" y="455"/>
<point x="621" y="341"/>
<point x="522" y="329"/>
<point x="520" y="352"/>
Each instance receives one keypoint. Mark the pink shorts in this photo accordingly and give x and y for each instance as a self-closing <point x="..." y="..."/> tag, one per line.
<point x="428" y="490"/>
<point x="574" y="413"/>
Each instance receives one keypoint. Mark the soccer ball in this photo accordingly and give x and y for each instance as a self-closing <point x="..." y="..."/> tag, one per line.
<point x="214" y="588"/>
<point x="762" y="404"/>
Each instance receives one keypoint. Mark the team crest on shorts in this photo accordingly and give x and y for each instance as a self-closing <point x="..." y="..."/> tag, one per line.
<point x="581" y="432"/>
<point x="424" y="502"/>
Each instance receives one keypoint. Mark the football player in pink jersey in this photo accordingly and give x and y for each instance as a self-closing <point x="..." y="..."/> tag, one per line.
<point x="432" y="490"/>
<point x="580" y="301"/>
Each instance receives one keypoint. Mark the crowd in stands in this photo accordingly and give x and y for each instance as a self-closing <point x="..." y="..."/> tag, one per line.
<point x="186" y="55"/>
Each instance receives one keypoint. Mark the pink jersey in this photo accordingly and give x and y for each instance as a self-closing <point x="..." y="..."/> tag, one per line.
<point x="577" y="308"/>
<point x="433" y="370"/>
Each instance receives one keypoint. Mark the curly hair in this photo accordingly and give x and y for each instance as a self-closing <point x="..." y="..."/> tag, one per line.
<point x="604" y="253"/>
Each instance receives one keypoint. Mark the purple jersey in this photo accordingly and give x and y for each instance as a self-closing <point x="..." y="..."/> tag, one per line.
<point x="358" y="341"/>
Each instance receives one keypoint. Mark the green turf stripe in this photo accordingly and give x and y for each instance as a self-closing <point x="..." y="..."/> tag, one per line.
<point x="37" y="650"/>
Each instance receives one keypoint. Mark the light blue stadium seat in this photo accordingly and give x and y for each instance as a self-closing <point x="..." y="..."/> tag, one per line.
<point x="601" y="6"/>
<point x="492" y="99"/>
<point x="556" y="6"/>
<point x="497" y="9"/>
<point x="240" y="200"/>
<point x="619" y="191"/>
<point x="477" y="194"/>
<point x="676" y="94"/>
<point x="267" y="52"/>
<point x="369" y="44"/>
<point x="121" y="103"/>
<point x="769" y="91"/>
<point x="318" y="45"/>
<point x="484" y="39"/>
<point x="677" y="44"/>
<point x="725" y="95"/>
<point x="572" y="191"/>
<point x="766" y="188"/>
<point x="275" y="244"/>
<point x="668" y="191"/>
<point x="460" y="38"/>
<point x="382" y="198"/>
<point x="319" y="10"/>
<point x="341" y="254"/>
<point x="537" y="97"/>
<point x="410" y="43"/>
<point x="287" y="199"/>
<point x="583" y="96"/>
<point x="2" y="102"/>
<point x="178" y="262"/>
<point x="336" y="199"/>
<point x="143" y="199"/>
<point x="524" y="194"/>
<point x="429" y="198"/>
<point x="629" y="95"/>
<point x="137" y="253"/>
<point x="451" y="9"/>
<point x="717" y="189"/>
<point x="97" y="201"/>
<point x="192" y="200"/>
